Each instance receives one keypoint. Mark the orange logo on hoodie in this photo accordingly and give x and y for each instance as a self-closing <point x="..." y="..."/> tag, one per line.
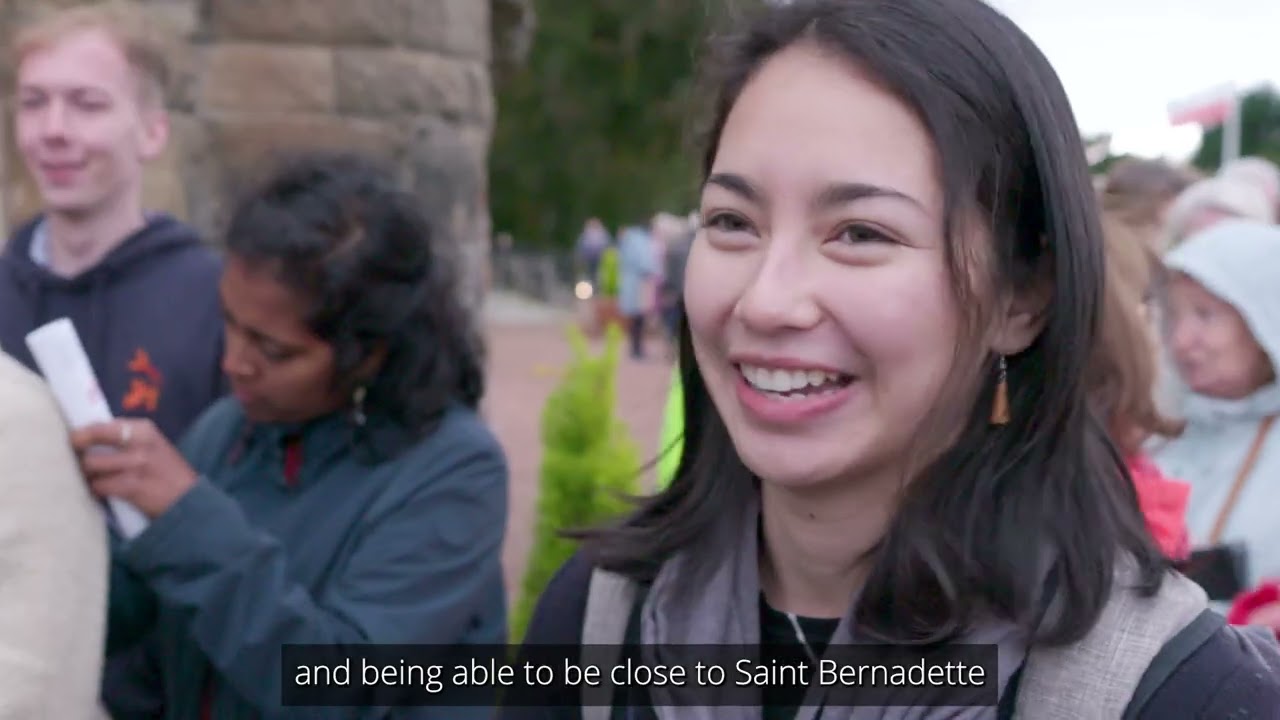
<point x="144" y="391"/>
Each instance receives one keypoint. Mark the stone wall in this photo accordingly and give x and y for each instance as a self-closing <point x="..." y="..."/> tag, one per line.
<point x="407" y="81"/>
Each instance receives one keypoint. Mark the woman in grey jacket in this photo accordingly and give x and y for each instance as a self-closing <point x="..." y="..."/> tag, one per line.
<point x="889" y="439"/>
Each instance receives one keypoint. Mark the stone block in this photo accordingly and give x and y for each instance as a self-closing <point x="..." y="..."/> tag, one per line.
<point x="446" y="171"/>
<point x="199" y="171"/>
<point x="23" y="202"/>
<point x="19" y="195"/>
<point x="23" y="11"/>
<point x="460" y="28"/>
<point x="267" y="78"/>
<point x="242" y="148"/>
<point x="10" y="171"/>
<point x="244" y="145"/>
<point x="378" y="83"/>
<point x="181" y="17"/>
<point x="481" y="86"/>
<point x="446" y="164"/>
<point x="339" y="22"/>
<point x="164" y="185"/>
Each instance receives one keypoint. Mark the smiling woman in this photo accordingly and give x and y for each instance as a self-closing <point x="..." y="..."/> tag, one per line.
<point x="900" y="235"/>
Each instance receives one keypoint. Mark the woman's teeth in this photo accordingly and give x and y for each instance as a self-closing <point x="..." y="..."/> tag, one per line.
<point x="793" y="382"/>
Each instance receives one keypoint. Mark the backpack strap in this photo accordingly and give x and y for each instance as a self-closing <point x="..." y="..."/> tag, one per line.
<point x="610" y="598"/>
<point x="1171" y="656"/>
<point x="1098" y="675"/>
<point x="1007" y="704"/>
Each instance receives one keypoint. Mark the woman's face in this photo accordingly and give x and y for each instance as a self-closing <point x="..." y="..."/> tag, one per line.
<point x="1205" y="218"/>
<point x="818" y="293"/>
<point x="1215" y="352"/>
<point x="279" y="370"/>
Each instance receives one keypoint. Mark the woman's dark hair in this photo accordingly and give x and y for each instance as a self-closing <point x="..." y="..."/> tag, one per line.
<point x="337" y="230"/>
<point x="1004" y="518"/>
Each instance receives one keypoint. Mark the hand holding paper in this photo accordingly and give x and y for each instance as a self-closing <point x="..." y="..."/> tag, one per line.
<point x="60" y="355"/>
<point x="127" y="461"/>
<point x="147" y="471"/>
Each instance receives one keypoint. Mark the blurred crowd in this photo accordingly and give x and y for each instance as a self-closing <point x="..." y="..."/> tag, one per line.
<point x="636" y="276"/>
<point x="1191" y="341"/>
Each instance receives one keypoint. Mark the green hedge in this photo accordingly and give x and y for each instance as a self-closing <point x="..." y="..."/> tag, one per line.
<point x="671" y="446"/>
<point x="607" y="276"/>
<point x="590" y="465"/>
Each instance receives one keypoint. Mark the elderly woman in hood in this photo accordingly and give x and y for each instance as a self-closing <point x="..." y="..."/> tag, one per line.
<point x="1223" y="329"/>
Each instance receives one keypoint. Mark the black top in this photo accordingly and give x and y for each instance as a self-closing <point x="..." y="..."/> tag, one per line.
<point x="776" y="631"/>
<point x="1223" y="678"/>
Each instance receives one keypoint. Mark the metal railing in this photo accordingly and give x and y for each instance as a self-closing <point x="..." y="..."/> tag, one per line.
<point x="546" y="276"/>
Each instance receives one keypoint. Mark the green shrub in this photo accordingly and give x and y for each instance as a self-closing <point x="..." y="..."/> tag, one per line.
<point x="607" y="275"/>
<point x="590" y="465"/>
<point x="671" y="446"/>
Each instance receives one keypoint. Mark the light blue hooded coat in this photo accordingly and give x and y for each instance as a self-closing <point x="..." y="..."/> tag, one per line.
<point x="636" y="263"/>
<point x="1240" y="263"/>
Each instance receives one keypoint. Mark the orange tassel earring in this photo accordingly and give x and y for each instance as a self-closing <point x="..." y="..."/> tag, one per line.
<point x="1000" y="407"/>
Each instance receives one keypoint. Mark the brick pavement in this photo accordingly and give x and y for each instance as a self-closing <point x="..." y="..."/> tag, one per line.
<point x="527" y="349"/>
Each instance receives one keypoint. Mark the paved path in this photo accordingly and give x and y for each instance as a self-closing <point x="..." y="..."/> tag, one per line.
<point x="527" y="350"/>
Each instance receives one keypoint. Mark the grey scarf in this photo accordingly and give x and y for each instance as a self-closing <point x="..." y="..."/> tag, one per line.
<point x="708" y="595"/>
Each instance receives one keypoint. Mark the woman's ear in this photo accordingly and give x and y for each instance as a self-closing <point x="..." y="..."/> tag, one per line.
<point x="1021" y="314"/>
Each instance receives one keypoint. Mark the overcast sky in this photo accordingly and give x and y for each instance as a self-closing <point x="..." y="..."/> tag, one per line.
<point x="1123" y="61"/>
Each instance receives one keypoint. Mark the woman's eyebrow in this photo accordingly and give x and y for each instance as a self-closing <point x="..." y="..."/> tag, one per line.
<point x="838" y="193"/>
<point x="257" y="335"/>
<point x="738" y="185"/>
<point x="842" y="193"/>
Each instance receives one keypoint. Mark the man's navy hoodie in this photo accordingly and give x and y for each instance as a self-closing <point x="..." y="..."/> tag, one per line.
<point x="148" y="314"/>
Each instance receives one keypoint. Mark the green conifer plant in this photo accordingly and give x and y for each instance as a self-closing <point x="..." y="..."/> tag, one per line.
<point x="590" y="464"/>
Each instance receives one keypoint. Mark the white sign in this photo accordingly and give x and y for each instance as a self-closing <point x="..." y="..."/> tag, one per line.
<point x="62" y="360"/>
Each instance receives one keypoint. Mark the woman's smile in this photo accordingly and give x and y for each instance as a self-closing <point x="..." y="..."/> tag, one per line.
<point x="791" y="391"/>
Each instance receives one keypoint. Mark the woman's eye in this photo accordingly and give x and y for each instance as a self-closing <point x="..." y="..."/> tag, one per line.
<point x="859" y="233"/>
<point x="728" y="222"/>
<point x="272" y="353"/>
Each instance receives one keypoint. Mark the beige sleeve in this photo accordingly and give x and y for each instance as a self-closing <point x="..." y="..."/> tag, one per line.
<point x="53" y="561"/>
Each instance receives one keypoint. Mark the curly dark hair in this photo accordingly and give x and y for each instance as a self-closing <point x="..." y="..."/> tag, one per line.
<point x="337" y="229"/>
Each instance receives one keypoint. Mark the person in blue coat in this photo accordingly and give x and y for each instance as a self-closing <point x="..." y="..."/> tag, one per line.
<point x="637" y="265"/>
<point x="347" y="492"/>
